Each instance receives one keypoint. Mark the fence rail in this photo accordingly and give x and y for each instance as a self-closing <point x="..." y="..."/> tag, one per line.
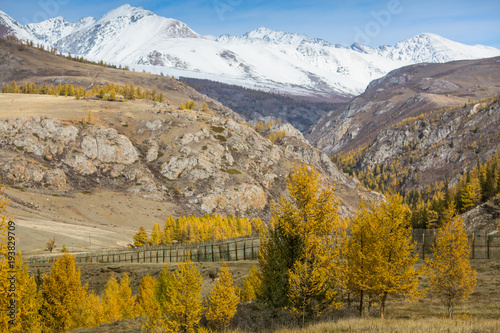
<point x="241" y="248"/>
<point x="482" y="246"/>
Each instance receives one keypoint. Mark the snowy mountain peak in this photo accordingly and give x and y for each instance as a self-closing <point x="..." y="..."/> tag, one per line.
<point x="429" y="47"/>
<point x="10" y="27"/>
<point x="282" y="37"/>
<point x="127" y="12"/>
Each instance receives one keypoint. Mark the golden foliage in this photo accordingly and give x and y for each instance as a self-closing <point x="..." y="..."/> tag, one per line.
<point x="63" y="294"/>
<point x="222" y="302"/>
<point x="303" y="248"/>
<point x="251" y="285"/>
<point x="148" y="306"/>
<point x="450" y="274"/>
<point x="184" y="309"/>
<point x="190" y="229"/>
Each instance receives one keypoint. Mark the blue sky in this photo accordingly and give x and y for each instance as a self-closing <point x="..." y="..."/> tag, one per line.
<point x="368" y="21"/>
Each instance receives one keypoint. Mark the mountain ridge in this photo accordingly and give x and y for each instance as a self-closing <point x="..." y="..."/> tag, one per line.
<point x="262" y="59"/>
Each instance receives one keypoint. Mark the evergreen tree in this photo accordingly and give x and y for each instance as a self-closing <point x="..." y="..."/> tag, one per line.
<point x="222" y="302"/>
<point x="451" y="276"/>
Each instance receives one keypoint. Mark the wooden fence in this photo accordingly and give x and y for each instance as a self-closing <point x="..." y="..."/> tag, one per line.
<point x="241" y="248"/>
<point x="482" y="246"/>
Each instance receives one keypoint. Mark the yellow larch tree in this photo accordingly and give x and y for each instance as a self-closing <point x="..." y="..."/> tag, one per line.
<point x="156" y="235"/>
<point x="299" y="257"/>
<point x="148" y="306"/>
<point x="251" y="285"/>
<point x="362" y="255"/>
<point x="184" y="309"/>
<point x="163" y="287"/>
<point x="110" y="301"/>
<point x="396" y="272"/>
<point x="450" y="274"/>
<point x="63" y="293"/>
<point x="126" y="301"/>
<point x="29" y="300"/>
<point x="222" y="302"/>
<point x="141" y="237"/>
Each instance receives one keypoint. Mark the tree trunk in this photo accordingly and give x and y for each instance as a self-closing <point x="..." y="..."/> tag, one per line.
<point x="450" y="308"/>
<point x="361" y="304"/>
<point x="382" y="305"/>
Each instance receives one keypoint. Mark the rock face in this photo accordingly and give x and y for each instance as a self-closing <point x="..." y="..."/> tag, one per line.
<point x="438" y="146"/>
<point x="402" y="94"/>
<point x="201" y="162"/>
<point x="484" y="217"/>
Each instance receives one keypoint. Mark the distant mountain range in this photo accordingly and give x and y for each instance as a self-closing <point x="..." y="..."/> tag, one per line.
<point x="262" y="59"/>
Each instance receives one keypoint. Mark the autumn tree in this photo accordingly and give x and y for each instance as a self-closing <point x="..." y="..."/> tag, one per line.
<point x="141" y="237"/>
<point x="184" y="309"/>
<point x="302" y="248"/>
<point x="362" y="255"/>
<point x="126" y="300"/>
<point x="63" y="294"/>
<point x="110" y="302"/>
<point x="222" y="302"/>
<point x="163" y="287"/>
<point x="156" y="235"/>
<point x="51" y="244"/>
<point x="397" y="274"/>
<point x="450" y="274"/>
<point x="251" y="285"/>
<point x="148" y="306"/>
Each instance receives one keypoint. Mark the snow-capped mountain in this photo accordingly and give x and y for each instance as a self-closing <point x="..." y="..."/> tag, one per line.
<point x="10" y="27"/>
<point x="262" y="59"/>
<point x="428" y="47"/>
<point x="54" y="29"/>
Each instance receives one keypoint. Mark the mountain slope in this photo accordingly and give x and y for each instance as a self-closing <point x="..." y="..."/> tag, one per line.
<point x="137" y="162"/>
<point x="406" y="92"/>
<point x="262" y="59"/>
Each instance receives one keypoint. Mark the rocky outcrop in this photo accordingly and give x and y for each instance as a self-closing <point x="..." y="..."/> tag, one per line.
<point x="402" y="94"/>
<point x="202" y="163"/>
<point x="483" y="217"/>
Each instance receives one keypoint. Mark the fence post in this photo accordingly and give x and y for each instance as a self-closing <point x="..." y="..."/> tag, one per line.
<point x="236" y="249"/>
<point x="488" y="246"/>
<point x="252" y="247"/>
<point x="177" y="254"/>
<point x="423" y="245"/>
<point x="213" y="257"/>
<point x="198" y="253"/>
<point x="473" y="245"/>
<point x="163" y="254"/>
